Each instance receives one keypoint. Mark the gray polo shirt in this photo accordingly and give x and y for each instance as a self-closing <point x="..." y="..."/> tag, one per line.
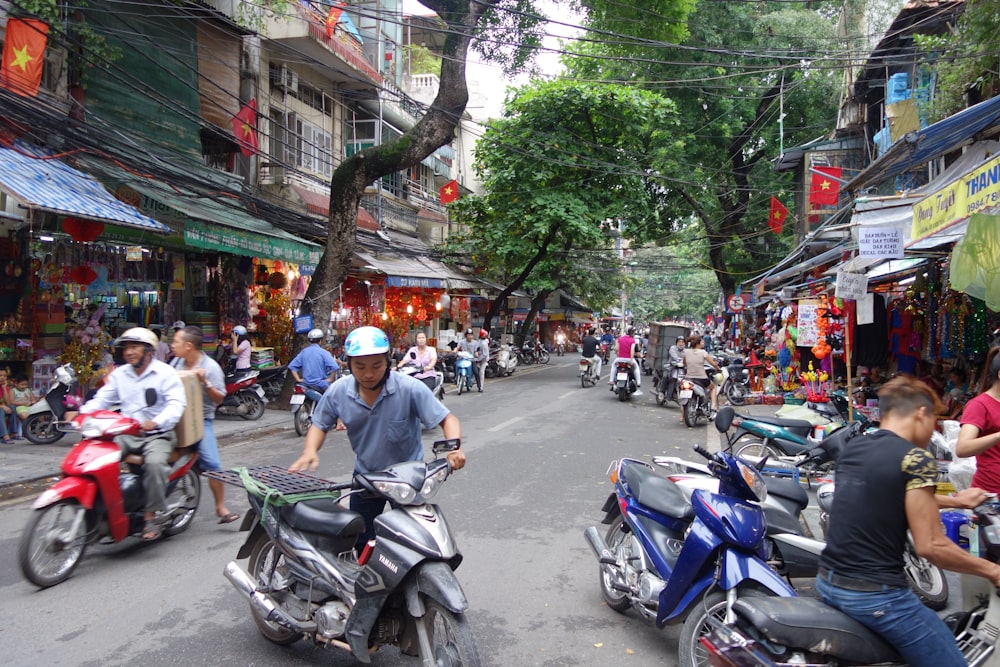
<point x="387" y="432"/>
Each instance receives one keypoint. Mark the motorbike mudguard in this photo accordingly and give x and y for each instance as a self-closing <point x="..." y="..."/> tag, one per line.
<point x="436" y="580"/>
<point x="736" y="568"/>
<point x="81" y="489"/>
<point x="612" y="512"/>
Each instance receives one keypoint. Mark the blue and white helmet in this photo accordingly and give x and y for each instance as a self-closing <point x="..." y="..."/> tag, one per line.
<point x="365" y="341"/>
<point x="240" y="330"/>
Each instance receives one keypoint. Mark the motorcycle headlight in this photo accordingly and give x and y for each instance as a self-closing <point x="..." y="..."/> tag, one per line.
<point x="753" y="480"/>
<point x="95" y="427"/>
<point x="404" y="494"/>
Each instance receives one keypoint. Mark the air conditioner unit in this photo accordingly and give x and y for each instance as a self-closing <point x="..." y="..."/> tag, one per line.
<point x="287" y="80"/>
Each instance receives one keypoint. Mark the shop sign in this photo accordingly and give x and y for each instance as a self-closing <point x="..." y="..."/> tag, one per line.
<point x="248" y="244"/>
<point x="887" y="242"/>
<point x="303" y="323"/>
<point x="133" y="253"/>
<point x="851" y="285"/>
<point x="977" y="190"/>
<point x="407" y="281"/>
<point x="808" y="331"/>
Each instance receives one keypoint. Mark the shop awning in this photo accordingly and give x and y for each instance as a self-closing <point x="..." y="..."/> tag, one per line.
<point x="919" y="147"/>
<point x="42" y="182"/>
<point x="401" y="271"/>
<point x="319" y="204"/>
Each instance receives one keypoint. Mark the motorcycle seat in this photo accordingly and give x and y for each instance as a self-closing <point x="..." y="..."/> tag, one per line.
<point x="323" y="517"/>
<point x="806" y="622"/>
<point x="788" y="489"/>
<point x="175" y="455"/>
<point x="657" y="493"/>
<point x="797" y="426"/>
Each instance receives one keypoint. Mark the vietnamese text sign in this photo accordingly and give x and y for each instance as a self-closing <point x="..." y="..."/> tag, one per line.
<point x="851" y="285"/>
<point x="881" y="242"/>
<point x="978" y="189"/>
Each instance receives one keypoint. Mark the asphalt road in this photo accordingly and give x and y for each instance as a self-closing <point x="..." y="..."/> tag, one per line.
<point x="538" y="448"/>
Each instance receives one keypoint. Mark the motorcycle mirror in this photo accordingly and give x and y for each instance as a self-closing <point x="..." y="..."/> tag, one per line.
<point x="151" y="397"/>
<point x="448" y="445"/>
<point x="763" y="462"/>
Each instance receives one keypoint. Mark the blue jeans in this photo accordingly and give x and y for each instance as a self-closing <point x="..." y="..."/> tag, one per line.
<point x="208" y="449"/>
<point x="899" y="617"/>
<point x="369" y="507"/>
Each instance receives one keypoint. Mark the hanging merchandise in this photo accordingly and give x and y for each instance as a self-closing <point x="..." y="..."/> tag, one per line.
<point x="975" y="261"/>
<point x="82" y="231"/>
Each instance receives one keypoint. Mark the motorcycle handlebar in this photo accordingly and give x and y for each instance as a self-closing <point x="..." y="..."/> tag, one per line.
<point x="704" y="452"/>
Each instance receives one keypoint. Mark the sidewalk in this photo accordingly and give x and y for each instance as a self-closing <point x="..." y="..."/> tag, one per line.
<point x="26" y="468"/>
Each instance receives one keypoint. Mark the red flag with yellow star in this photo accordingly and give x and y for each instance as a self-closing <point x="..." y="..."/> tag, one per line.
<point x="23" y="56"/>
<point x="449" y="192"/>
<point x="778" y="215"/>
<point x="333" y="18"/>
<point x="824" y="187"/>
<point x="245" y="128"/>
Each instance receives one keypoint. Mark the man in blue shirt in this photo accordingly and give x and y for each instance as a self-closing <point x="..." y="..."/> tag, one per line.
<point x="314" y="366"/>
<point x="131" y="385"/>
<point x="383" y="414"/>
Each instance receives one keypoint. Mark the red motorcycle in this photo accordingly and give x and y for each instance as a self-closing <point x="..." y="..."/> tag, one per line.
<point x="100" y="495"/>
<point x="244" y="397"/>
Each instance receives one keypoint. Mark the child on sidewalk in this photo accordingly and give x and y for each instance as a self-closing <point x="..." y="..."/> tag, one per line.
<point x="23" y="398"/>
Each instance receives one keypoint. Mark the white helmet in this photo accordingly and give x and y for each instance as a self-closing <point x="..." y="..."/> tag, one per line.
<point x="240" y="330"/>
<point x="315" y="334"/>
<point x="139" y="335"/>
<point x="365" y="341"/>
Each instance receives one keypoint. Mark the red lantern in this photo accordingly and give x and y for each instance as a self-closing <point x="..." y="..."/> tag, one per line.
<point x="83" y="275"/>
<point x="82" y="231"/>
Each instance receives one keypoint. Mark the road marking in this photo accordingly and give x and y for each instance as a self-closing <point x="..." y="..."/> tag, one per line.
<point x="505" y="424"/>
<point x="568" y="393"/>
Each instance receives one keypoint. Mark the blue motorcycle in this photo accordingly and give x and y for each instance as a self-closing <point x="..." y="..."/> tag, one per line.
<point x="677" y="561"/>
<point x="463" y="372"/>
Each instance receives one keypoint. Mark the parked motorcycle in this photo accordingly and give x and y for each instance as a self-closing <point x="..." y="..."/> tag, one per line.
<point x="302" y="404"/>
<point x="305" y="581"/>
<point x="624" y="384"/>
<point x="663" y="555"/>
<point x="588" y="372"/>
<point x="804" y="631"/>
<point x="506" y="360"/>
<point x="244" y="397"/>
<point x="94" y="500"/>
<point x="272" y="381"/>
<point x="532" y="352"/>
<point x="736" y="380"/>
<point x="40" y="428"/>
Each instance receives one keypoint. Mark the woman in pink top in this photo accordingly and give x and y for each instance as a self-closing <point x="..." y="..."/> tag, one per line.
<point x="423" y="356"/>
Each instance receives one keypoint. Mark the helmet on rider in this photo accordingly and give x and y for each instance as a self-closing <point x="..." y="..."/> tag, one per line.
<point x="629" y="331"/>
<point x="148" y="339"/>
<point x="240" y="330"/>
<point x="315" y="335"/>
<point x="468" y="332"/>
<point x="367" y="342"/>
<point x="483" y="334"/>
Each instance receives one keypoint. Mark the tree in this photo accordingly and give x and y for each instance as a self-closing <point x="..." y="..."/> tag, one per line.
<point x="740" y="63"/>
<point x="565" y="159"/>
<point x="672" y="283"/>
<point x="464" y="21"/>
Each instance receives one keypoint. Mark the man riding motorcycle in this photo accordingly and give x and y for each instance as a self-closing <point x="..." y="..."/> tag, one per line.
<point x="673" y="369"/>
<point x="314" y="366"/>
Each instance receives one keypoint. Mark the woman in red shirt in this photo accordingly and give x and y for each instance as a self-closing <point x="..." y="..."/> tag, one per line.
<point x="981" y="427"/>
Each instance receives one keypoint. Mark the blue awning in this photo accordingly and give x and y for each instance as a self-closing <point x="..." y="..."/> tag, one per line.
<point x="40" y="181"/>
<point x="922" y="146"/>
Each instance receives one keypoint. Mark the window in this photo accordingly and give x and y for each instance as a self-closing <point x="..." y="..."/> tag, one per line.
<point x="315" y="148"/>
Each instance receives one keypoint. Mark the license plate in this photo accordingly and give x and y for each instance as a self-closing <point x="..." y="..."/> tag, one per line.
<point x="685" y="393"/>
<point x="621" y="377"/>
<point x="297" y="399"/>
<point x="259" y="389"/>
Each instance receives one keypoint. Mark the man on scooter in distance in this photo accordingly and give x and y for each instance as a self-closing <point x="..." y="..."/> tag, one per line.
<point x="129" y="386"/>
<point x="627" y="351"/>
<point x="672" y="370"/>
<point x="590" y="344"/>
<point x="886" y="484"/>
<point x="370" y="404"/>
<point x="314" y="367"/>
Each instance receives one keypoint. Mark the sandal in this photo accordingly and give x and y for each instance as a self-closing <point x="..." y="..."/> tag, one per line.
<point x="229" y="518"/>
<point x="151" y="530"/>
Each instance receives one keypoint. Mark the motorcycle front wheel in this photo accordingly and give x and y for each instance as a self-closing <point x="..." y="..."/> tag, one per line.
<point x="255" y="406"/>
<point x="756" y="449"/>
<point x="303" y="417"/>
<point x="450" y="636"/>
<point x="491" y="371"/>
<point x="691" y="653"/>
<point x="737" y="393"/>
<point x="462" y="383"/>
<point x="40" y="429"/>
<point x="266" y="562"/>
<point x="543" y="357"/>
<point x="183" y="497"/>
<point x="53" y="543"/>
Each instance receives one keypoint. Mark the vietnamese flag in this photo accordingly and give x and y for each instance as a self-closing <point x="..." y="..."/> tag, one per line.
<point x="333" y="18"/>
<point x="824" y="188"/>
<point x="23" y="56"/>
<point x="449" y="192"/>
<point x="778" y="214"/>
<point x="245" y="128"/>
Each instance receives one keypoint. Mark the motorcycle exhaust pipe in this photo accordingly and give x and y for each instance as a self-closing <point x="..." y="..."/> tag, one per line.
<point x="601" y="549"/>
<point x="242" y="582"/>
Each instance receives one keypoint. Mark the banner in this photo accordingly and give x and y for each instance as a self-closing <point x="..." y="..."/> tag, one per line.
<point x="978" y="189"/>
<point x="851" y="285"/>
<point x="887" y="242"/>
<point x="808" y="331"/>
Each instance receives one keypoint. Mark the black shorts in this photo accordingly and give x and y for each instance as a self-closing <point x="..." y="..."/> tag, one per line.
<point x="703" y="382"/>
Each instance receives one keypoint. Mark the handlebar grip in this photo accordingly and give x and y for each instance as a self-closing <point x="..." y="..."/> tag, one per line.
<point x="704" y="452"/>
<point x="342" y="486"/>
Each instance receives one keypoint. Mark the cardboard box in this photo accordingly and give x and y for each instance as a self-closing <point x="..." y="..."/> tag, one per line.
<point x="191" y="428"/>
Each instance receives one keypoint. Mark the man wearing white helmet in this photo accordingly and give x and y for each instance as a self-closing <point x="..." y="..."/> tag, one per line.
<point x="314" y="366"/>
<point x="150" y="392"/>
<point x="383" y="414"/>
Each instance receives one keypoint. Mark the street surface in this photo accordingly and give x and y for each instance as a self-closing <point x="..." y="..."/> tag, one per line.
<point x="538" y="447"/>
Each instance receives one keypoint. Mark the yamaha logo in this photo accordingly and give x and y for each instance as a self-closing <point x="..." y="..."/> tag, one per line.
<point x="388" y="563"/>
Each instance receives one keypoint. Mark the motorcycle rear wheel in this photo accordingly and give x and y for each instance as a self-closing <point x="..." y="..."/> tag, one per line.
<point x="265" y="559"/>
<point x="543" y="357"/>
<point x="491" y="371"/>
<point x="756" y="450"/>
<point x="451" y="638"/>
<point x="255" y="406"/>
<point x="40" y="429"/>
<point x="927" y="580"/>
<point x="48" y="552"/>
<point x="615" y="539"/>
<point x="691" y="412"/>
<point x="690" y="651"/>
<point x="186" y="494"/>
<point x="737" y="393"/>
<point x="303" y="417"/>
